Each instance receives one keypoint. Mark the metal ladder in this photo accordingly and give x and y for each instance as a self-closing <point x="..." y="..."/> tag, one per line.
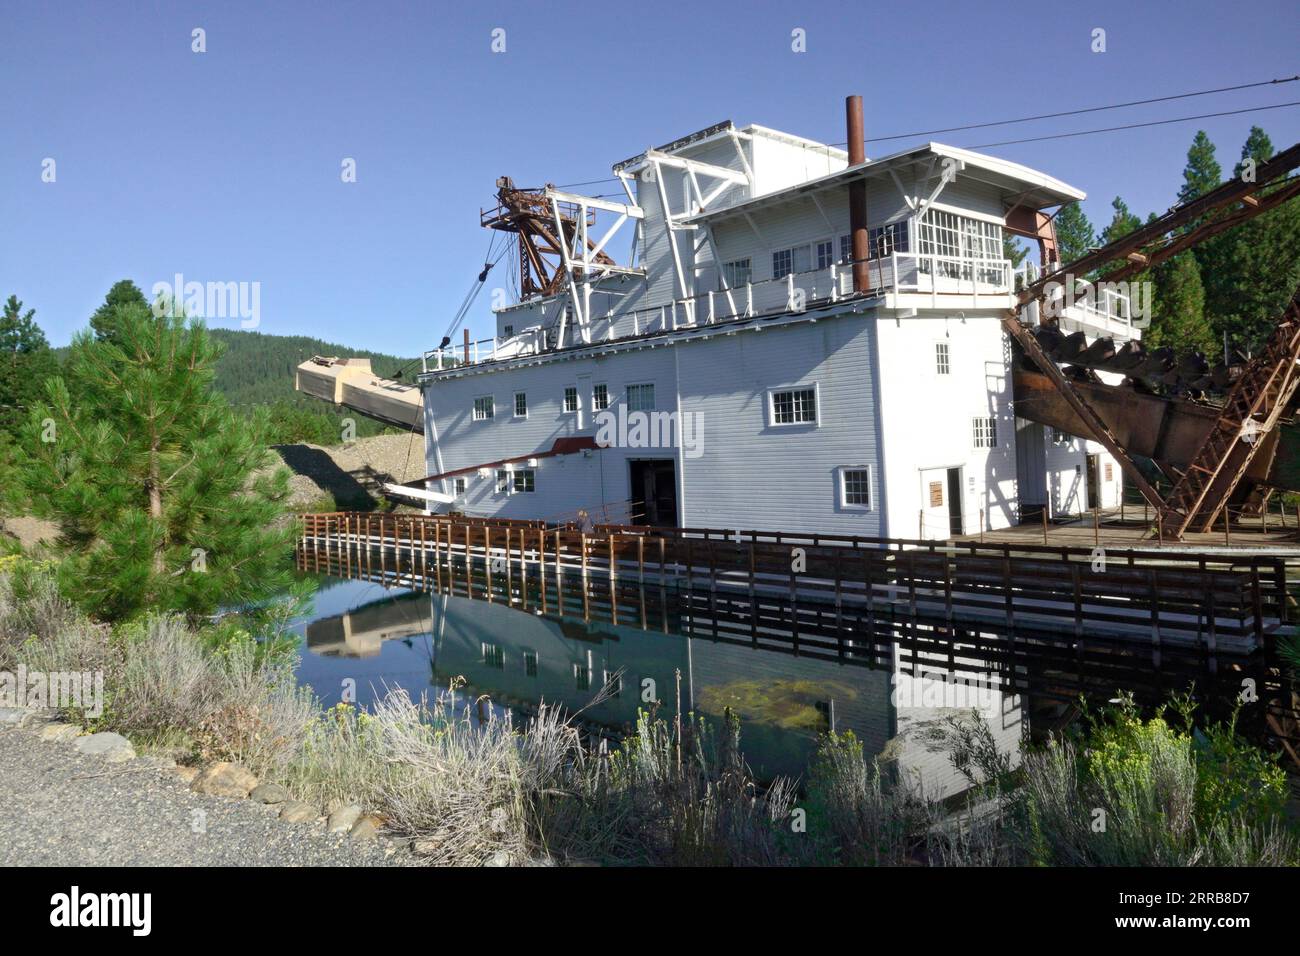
<point x="1253" y="406"/>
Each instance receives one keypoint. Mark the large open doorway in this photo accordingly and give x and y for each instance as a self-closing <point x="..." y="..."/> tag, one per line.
<point x="1093" y="483"/>
<point x="654" y="491"/>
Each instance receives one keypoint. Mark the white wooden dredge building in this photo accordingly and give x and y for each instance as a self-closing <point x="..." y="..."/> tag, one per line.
<point x="740" y="372"/>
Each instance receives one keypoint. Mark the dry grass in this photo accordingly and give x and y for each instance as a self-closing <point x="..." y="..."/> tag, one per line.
<point x="673" y="794"/>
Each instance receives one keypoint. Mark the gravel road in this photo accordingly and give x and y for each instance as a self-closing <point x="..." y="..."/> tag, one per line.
<point x="53" y="812"/>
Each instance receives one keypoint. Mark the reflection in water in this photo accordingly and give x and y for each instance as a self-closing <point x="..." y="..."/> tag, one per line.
<point x="377" y="638"/>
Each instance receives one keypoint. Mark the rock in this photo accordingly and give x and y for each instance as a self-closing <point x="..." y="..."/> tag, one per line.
<point x="159" y="761"/>
<point x="428" y="846"/>
<point x="112" y="747"/>
<point x="367" y="827"/>
<point x="295" y="811"/>
<point x="269" y="793"/>
<point x="343" y="818"/>
<point x="59" y="732"/>
<point x="224" y="779"/>
<point x="187" y="774"/>
<point x="499" y="858"/>
<point x="12" y="716"/>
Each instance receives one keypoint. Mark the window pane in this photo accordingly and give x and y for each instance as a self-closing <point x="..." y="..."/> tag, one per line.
<point x="570" y="399"/>
<point x="781" y="263"/>
<point x="483" y="407"/>
<point x="521" y="404"/>
<point x="941" y="358"/>
<point x="857" y="487"/>
<point x="640" y="398"/>
<point x="737" y="273"/>
<point x="797" y="406"/>
<point x="600" y="397"/>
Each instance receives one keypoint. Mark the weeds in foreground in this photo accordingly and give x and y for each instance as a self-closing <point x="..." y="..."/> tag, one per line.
<point x="1122" y="790"/>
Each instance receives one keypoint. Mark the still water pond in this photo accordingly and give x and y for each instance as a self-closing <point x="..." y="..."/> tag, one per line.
<point x="362" y="635"/>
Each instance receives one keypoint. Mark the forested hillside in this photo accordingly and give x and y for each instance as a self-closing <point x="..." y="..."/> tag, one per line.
<point x="257" y="369"/>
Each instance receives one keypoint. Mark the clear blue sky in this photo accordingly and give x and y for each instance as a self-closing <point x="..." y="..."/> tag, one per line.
<point x="225" y="166"/>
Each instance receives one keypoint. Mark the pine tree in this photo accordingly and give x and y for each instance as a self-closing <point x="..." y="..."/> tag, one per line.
<point x="1202" y="172"/>
<point x="1179" y="319"/>
<point x="124" y="292"/>
<point x="152" y="478"/>
<point x="1251" y="271"/>
<point x="1013" y="250"/>
<point x="25" y="362"/>
<point x="1074" y="233"/>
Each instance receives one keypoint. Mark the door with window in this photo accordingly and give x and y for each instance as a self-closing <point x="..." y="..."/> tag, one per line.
<point x="940" y="515"/>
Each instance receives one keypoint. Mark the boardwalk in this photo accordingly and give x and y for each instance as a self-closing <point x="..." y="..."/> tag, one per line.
<point x="1054" y="622"/>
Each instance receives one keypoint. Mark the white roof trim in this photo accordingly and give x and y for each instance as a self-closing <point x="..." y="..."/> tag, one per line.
<point x="1019" y="175"/>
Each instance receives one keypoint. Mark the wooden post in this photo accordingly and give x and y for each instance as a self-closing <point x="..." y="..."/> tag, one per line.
<point x="1227" y="525"/>
<point x="1044" y="524"/>
<point x="1096" y="527"/>
<point x="1153" y="577"/>
<point x="981" y="526"/>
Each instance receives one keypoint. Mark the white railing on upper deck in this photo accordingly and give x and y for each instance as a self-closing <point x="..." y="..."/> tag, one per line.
<point x="908" y="273"/>
<point x="1090" y="309"/>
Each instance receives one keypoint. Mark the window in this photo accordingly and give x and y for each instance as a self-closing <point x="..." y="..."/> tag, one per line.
<point x="507" y="331"/>
<point x="825" y="254"/>
<point x="460" y="486"/>
<point x="640" y="398"/>
<point x="885" y="240"/>
<point x="855" y="487"/>
<point x="985" y="432"/>
<point x="1109" y="473"/>
<point x="525" y="480"/>
<point x="786" y="261"/>
<point x="794" y="406"/>
<point x="571" y="399"/>
<point x="781" y="263"/>
<point x="882" y="241"/>
<point x="960" y="237"/>
<point x="599" y="397"/>
<point x="503" y="481"/>
<point x="483" y="408"/>
<point x="941" y="358"/>
<point x="530" y="663"/>
<point x="1059" y="437"/>
<point x="521" y="404"/>
<point x="737" y="273"/>
<point x="613" y="683"/>
<point x="581" y="677"/>
<point x="494" y="656"/>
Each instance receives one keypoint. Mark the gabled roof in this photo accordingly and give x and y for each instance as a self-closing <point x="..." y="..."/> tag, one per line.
<point x="1029" y="187"/>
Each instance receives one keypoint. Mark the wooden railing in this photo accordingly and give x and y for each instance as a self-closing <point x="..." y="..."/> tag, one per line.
<point x="1130" y="595"/>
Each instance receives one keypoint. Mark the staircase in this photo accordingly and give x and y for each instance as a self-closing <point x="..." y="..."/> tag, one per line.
<point x="1251" y="411"/>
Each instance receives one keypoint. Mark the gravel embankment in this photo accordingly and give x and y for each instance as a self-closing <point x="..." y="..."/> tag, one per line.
<point x="351" y="473"/>
<point x="59" y="807"/>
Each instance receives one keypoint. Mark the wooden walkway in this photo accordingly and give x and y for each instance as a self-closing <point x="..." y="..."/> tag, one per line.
<point x="1223" y="603"/>
<point x="1042" y="620"/>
